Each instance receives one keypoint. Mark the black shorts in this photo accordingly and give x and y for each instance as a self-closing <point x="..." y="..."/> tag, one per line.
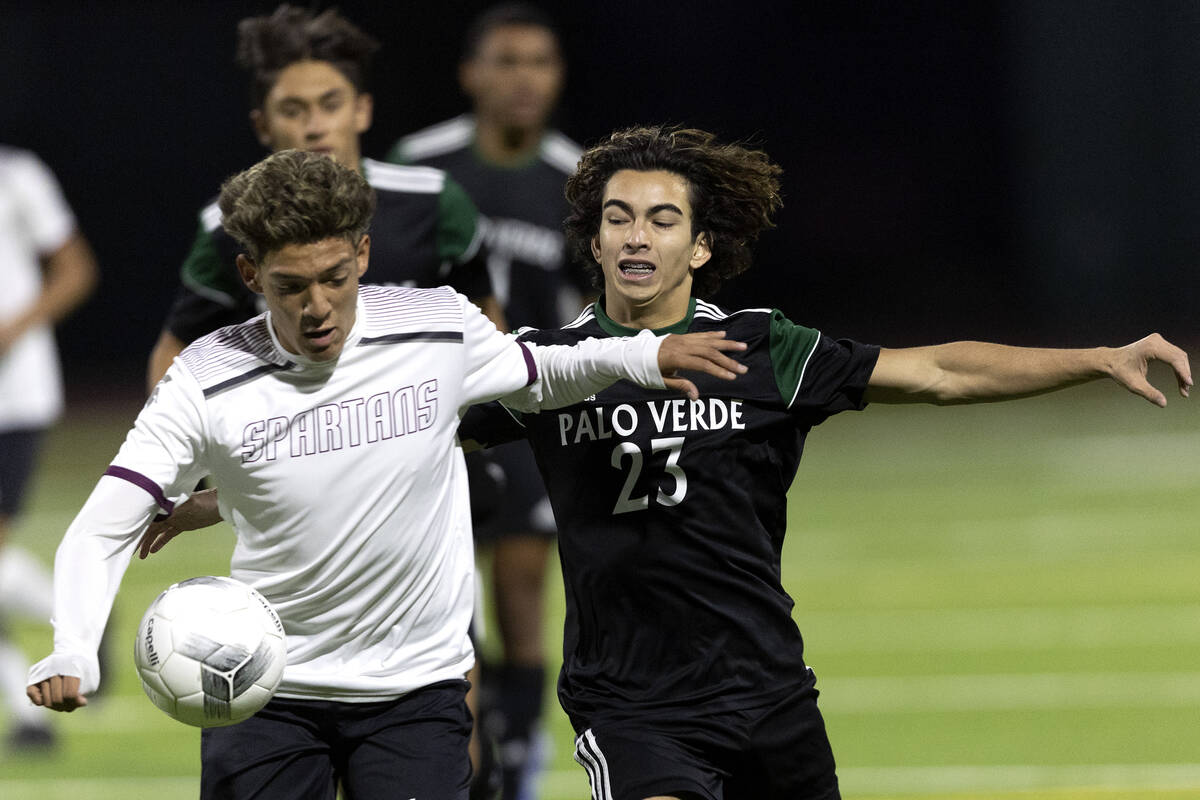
<point x="412" y="747"/>
<point x="776" y="752"/>
<point x="18" y="453"/>
<point x="508" y="496"/>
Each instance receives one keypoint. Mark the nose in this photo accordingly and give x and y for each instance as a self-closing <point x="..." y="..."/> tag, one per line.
<point x="315" y="126"/>
<point x="317" y="305"/>
<point x="638" y="237"/>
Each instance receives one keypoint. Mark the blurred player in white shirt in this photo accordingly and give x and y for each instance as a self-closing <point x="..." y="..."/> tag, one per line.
<point x="47" y="269"/>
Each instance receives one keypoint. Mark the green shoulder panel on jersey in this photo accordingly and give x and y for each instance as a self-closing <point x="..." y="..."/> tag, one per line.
<point x="396" y="154"/>
<point x="205" y="272"/>
<point x="459" y="234"/>
<point x="791" y="347"/>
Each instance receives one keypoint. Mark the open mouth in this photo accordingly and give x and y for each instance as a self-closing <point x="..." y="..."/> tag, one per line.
<point x="636" y="269"/>
<point x="319" y="337"/>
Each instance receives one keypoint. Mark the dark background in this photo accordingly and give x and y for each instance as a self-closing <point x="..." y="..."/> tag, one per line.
<point x="1024" y="171"/>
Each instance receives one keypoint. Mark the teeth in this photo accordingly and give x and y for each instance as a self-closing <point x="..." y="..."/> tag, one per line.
<point x="640" y="268"/>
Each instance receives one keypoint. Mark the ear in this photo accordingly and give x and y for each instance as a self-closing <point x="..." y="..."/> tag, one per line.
<point x="701" y="251"/>
<point x="363" y="254"/>
<point x="249" y="272"/>
<point x="364" y="110"/>
<point x="596" y="248"/>
<point x="258" y="121"/>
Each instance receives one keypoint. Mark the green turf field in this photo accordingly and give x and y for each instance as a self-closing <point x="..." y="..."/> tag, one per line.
<point x="999" y="601"/>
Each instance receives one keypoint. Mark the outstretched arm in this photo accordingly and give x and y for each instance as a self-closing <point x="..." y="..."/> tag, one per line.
<point x="979" y="372"/>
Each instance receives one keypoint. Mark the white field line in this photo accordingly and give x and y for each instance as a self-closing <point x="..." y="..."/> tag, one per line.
<point x="857" y="781"/>
<point x="1009" y="692"/>
<point x="1016" y="778"/>
<point x="985" y="629"/>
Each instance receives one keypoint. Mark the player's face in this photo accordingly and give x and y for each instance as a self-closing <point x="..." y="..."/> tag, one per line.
<point x="515" y="77"/>
<point x="311" y="291"/>
<point x="314" y="107"/>
<point x="646" y="248"/>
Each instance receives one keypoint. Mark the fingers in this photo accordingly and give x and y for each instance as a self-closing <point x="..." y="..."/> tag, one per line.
<point x="155" y="538"/>
<point x="683" y="386"/>
<point x="701" y="352"/>
<point x="1155" y="348"/>
<point x="58" y="693"/>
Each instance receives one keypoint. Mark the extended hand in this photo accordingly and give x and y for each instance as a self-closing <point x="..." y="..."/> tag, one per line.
<point x="58" y="693"/>
<point x="1131" y="362"/>
<point x="699" y="352"/>
<point x="198" y="511"/>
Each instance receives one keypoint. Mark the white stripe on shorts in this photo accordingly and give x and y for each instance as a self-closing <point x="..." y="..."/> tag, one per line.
<point x="588" y="754"/>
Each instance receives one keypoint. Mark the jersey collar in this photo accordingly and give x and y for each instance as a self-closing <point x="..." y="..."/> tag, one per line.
<point x="616" y="329"/>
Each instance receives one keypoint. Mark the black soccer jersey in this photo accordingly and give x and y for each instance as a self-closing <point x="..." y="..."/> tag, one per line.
<point x="425" y="233"/>
<point x="522" y="211"/>
<point x="672" y="515"/>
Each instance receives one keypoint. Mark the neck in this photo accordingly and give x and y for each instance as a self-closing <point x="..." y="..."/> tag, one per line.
<point x="506" y="144"/>
<point x="653" y="315"/>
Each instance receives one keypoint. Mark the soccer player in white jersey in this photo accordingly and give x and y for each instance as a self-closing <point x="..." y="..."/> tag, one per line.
<point x="47" y="269"/>
<point x="329" y="425"/>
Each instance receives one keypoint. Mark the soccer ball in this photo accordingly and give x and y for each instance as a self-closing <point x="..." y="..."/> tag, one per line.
<point x="210" y="651"/>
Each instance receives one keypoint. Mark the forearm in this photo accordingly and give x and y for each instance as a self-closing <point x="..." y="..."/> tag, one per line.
<point x="88" y="568"/>
<point x="567" y="375"/>
<point x="974" y="372"/>
<point x="70" y="277"/>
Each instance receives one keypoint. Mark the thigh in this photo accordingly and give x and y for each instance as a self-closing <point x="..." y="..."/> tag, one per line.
<point x="278" y="754"/>
<point x="416" y="746"/>
<point x="787" y="755"/>
<point x="625" y="761"/>
<point x="18" y="452"/>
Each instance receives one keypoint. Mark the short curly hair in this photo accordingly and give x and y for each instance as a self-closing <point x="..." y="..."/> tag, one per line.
<point x="295" y="197"/>
<point x="733" y="190"/>
<point x="267" y="45"/>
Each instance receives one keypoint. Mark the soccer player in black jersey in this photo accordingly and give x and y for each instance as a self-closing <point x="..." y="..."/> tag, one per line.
<point x="684" y="673"/>
<point x="308" y="92"/>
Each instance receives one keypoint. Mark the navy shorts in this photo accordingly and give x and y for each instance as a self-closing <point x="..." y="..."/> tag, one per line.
<point x="777" y="752"/>
<point x="412" y="747"/>
<point x="18" y="452"/>
<point x="508" y="496"/>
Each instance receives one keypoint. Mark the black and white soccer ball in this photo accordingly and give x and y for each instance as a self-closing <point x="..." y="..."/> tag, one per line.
<point x="210" y="651"/>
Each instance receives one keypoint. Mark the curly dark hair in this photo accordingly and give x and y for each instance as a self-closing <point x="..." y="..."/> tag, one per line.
<point x="269" y="44"/>
<point x="733" y="190"/>
<point x="295" y="197"/>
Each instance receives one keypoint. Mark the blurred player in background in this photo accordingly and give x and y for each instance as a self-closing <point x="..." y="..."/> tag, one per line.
<point x="47" y="269"/>
<point x="684" y="672"/>
<point x="330" y="425"/>
<point x="514" y="167"/>
<point x="308" y="92"/>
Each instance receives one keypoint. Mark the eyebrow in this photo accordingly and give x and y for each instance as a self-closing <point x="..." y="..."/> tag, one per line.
<point x="325" y="273"/>
<point x="628" y="209"/>
<point x="303" y="100"/>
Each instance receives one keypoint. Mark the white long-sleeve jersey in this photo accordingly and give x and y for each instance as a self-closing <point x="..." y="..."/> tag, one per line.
<point x="343" y="481"/>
